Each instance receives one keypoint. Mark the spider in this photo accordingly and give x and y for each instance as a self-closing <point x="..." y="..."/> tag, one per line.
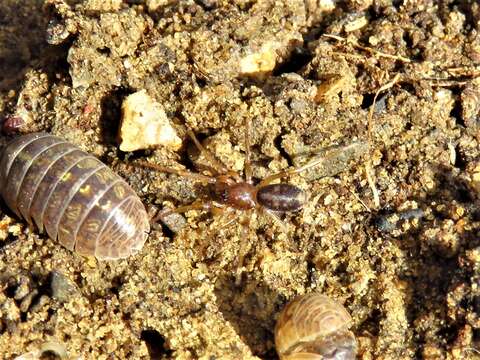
<point x="239" y="195"/>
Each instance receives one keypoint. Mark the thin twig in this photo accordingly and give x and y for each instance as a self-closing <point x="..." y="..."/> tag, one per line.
<point x="360" y="200"/>
<point x="366" y="48"/>
<point x="368" y="165"/>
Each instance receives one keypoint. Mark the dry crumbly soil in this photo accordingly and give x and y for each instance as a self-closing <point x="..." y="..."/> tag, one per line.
<point x="305" y="74"/>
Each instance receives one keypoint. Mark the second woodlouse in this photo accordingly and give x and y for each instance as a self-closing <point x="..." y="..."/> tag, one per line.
<point x="76" y="198"/>
<point x="313" y="326"/>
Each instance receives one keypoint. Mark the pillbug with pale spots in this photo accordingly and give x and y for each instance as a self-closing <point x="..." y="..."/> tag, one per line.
<point x="315" y="327"/>
<point x="73" y="196"/>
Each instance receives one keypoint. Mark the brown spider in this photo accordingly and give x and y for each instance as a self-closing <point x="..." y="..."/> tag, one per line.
<point x="235" y="194"/>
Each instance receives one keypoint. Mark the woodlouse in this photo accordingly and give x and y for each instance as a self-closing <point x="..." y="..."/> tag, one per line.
<point x="313" y="326"/>
<point x="76" y="198"/>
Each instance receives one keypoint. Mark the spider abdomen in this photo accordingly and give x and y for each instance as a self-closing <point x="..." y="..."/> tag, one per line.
<point x="281" y="197"/>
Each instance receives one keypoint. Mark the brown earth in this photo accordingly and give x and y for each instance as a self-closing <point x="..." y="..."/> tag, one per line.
<point x="305" y="74"/>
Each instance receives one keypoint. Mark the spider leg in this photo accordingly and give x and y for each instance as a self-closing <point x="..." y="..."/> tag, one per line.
<point x="180" y="172"/>
<point x="279" y="222"/>
<point x="219" y="167"/>
<point x="248" y="164"/>
<point x="291" y="171"/>
<point x="243" y="250"/>
<point x="231" y="217"/>
<point x="197" y="205"/>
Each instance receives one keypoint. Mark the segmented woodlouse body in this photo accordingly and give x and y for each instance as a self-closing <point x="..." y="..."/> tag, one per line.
<point x="315" y="327"/>
<point x="76" y="198"/>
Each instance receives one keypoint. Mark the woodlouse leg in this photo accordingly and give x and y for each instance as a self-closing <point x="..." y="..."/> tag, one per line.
<point x="248" y="164"/>
<point x="243" y="246"/>
<point x="180" y="172"/>
<point x="220" y="167"/>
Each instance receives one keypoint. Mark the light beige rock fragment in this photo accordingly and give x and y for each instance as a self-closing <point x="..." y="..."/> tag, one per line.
<point x="356" y="24"/>
<point x="153" y="5"/>
<point x="259" y="62"/>
<point x="103" y="5"/>
<point x="145" y="124"/>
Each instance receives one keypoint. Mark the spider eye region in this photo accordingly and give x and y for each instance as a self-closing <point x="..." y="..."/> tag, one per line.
<point x="240" y="196"/>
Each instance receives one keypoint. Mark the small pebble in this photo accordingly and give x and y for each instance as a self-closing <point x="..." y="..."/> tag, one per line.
<point x="174" y="221"/>
<point x="61" y="287"/>
<point x="260" y="62"/>
<point x="389" y="222"/>
<point x="145" y="124"/>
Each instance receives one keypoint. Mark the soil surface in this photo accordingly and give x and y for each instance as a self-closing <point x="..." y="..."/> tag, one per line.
<point x="392" y="222"/>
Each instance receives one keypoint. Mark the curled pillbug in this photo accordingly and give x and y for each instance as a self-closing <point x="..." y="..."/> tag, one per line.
<point x="315" y="327"/>
<point x="77" y="199"/>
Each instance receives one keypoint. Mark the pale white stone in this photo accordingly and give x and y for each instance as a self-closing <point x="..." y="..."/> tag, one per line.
<point x="262" y="61"/>
<point x="145" y="124"/>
